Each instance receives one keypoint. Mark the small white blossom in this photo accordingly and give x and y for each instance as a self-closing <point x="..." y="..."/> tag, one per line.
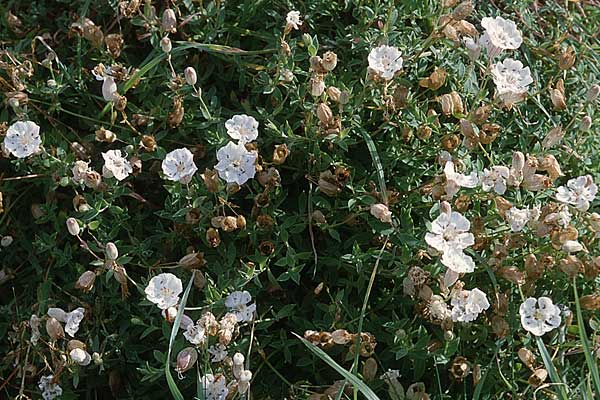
<point x="196" y="333"/>
<point x="70" y="319"/>
<point x="179" y="166"/>
<point x="218" y="352"/>
<point x="115" y="165"/>
<point x="164" y="290"/>
<point x="49" y="390"/>
<point x="579" y="192"/>
<point x="539" y="316"/>
<point x="450" y="236"/>
<point x="562" y="217"/>
<point x="500" y="34"/>
<point x="236" y="164"/>
<point x="237" y="303"/>
<point x="80" y="170"/>
<point x="214" y="387"/>
<point x="80" y="357"/>
<point x="242" y="127"/>
<point x="518" y="218"/>
<point x="293" y="19"/>
<point x="385" y="61"/>
<point x="381" y="212"/>
<point x="468" y="304"/>
<point x="512" y="80"/>
<point x="438" y="309"/>
<point x="455" y="180"/>
<point x="23" y="139"/>
<point x="495" y="178"/>
<point x="109" y="86"/>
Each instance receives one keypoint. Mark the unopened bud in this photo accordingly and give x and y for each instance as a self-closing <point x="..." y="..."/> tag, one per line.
<point x="586" y="123"/>
<point x="112" y="253"/>
<point x="592" y="93"/>
<point x="73" y="226"/>
<point x="186" y="359"/>
<point x="97" y="358"/>
<point x="190" y="76"/>
<point x="165" y="44"/>
<point x="169" y="21"/>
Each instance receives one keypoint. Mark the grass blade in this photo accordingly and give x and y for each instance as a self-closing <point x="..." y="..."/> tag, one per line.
<point x="589" y="357"/>
<point x="170" y="381"/>
<point x="362" y="387"/>
<point x="560" y="385"/>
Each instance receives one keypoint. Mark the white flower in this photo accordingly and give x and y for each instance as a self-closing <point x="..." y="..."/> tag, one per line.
<point x="381" y="212"/>
<point x="539" y="316"/>
<point x="164" y="290"/>
<point x="579" y="192"/>
<point x="23" y="139"/>
<point x="80" y="170"/>
<point x="115" y="165"/>
<point x="242" y="127"/>
<point x="468" y="304"/>
<point x="449" y="235"/>
<point x="518" y="218"/>
<point x="293" y="19"/>
<point x="385" y="61"/>
<point x="237" y="303"/>
<point x="214" y="387"/>
<point x="500" y="34"/>
<point x="70" y="319"/>
<point x="80" y="357"/>
<point x="218" y="352"/>
<point x="179" y="165"/>
<point x="562" y="217"/>
<point x="109" y="86"/>
<point x="512" y="80"/>
<point x="236" y="164"/>
<point x="495" y="178"/>
<point x="196" y="333"/>
<point x="438" y="309"/>
<point x="454" y="180"/>
<point x="49" y="390"/>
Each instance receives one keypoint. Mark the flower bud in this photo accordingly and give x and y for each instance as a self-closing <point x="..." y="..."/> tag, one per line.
<point x="186" y="359"/>
<point x="586" y="123"/>
<point x="97" y="358"/>
<point x="592" y="93"/>
<point x="165" y="44"/>
<point x="169" y="21"/>
<point x="329" y="61"/>
<point x="244" y="381"/>
<point x="448" y="336"/>
<point x="73" y="226"/>
<point x="86" y="281"/>
<point x="6" y="241"/>
<point x="112" y="253"/>
<point x="190" y="76"/>
<point x="54" y="329"/>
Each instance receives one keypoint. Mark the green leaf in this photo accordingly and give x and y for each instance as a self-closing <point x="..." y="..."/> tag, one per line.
<point x="362" y="387"/>
<point x="589" y="357"/>
<point x="560" y="385"/>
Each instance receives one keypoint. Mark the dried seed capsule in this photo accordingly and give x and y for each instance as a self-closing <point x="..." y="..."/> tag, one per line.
<point x="186" y="359"/>
<point x="169" y="21"/>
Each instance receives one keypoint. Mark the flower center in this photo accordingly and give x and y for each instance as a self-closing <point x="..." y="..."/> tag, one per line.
<point x="538" y="315"/>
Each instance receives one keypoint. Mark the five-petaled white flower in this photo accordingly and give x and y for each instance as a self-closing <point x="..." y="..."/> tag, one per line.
<point x="512" y="80"/>
<point x="218" y="352"/>
<point x="23" y="139"/>
<point x="196" y="333"/>
<point x="115" y="165"/>
<point x="49" y="389"/>
<point x="539" y="316"/>
<point x="243" y="128"/>
<point x="179" y="165"/>
<point x="500" y="34"/>
<point x="237" y="302"/>
<point x="468" y="304"/>
<point x="214" y="387"/>
<point x="80" y="356"/>
<point x="293" y="19"/>
<point x="455" y="180"/>
<point x="495" y="178"/>
<point x="70" y="319"/>
<point x="236" y="164"/>
<point x="579" y="192"/>
<point x="450" y="236"/>
<point x="164" y="290"/>
<point x="385" y="61"/>
<point x="517" y="218"/>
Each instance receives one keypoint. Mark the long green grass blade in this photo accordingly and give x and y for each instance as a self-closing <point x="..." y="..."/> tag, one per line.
<point x="589" y="357"/>
<point x="362" y="387"/>
<point x="560" y="385"/>
<point x="170" y="381"/>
